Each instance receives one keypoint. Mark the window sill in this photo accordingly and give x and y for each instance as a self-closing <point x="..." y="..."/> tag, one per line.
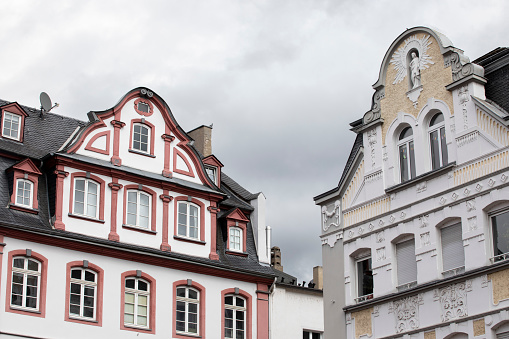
<point x="364" y="298"/>
<point x="190" y="335"/>
<point x="26" y="311"/>
<point x="418" y="178"/>
<point x="141" y="153"/>
<point x="11" y="139"/>
<point x="23" y="209"/>
<point x="138" y="229"/>
<point x="77" y="216"/>
<point x="194" y="241"/>
<point x="240" y="254"/>
<point x="137" y="328"/>
<point x="84" y="321"/>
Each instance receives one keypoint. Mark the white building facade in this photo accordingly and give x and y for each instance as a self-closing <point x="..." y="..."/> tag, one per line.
<point x="126" y="226"/>
<point x="415" y="235"/>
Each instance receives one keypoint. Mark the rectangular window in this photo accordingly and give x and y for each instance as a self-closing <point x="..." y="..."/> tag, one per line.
<point x="311" y="335"/>
<point x="235" y="239"/>
<point x="140" y="138"/>
<point x="11" y="125"/>
<point x="187" y="220"/>
<point x="188" y="304"/>
<point x="453" y="255"/>
<point x="406" y="264"/>
<point x="211" y="172"/>
<point x="26" y="281"/>
<point x="364" y="279"/>
<point x="24" y="193"/>
<point x="138" y="209"/>
<point x="500" y="231"/>
<point x="82" y="298"/>
<point x="86" y="199"/>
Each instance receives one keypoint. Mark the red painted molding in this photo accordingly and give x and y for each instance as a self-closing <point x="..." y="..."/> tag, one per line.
<point x="106" y="151"/>
<point x="176" y="155"/>
<point x="152" y="135"/>
<point x="202" y="216"/>
<point x="249" y="316"/>
<point x="61" y="241"/>
<point x="145" y="101"/>
<point x="2" y="244"/>
<point x="59" y="197"/>
<point x="117" y="125"/>
<point x="201" y="325"/>
<point x="211" y="160"/>
<point x="115" y="187"/>
<point x="14" y="108"/>
<point x="42" y="292"/>
<point x="28" y="168"/>
<point x="153" y="202"/>
<point x="167" y="152"/>
<point x="99" y="294"/>
<point x="166" y="198"/>
<point x="262" y="310"/>
<point x="213" y="230"/>
<point x="101" y="193"/>
<point x="152" y="303"/>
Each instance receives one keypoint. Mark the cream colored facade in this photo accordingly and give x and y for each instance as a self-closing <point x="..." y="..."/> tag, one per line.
<point x="418" y="226"/>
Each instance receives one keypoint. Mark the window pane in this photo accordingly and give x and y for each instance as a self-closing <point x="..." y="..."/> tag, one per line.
<point x="128" y="318"/>
<point x="228" y="313"/>
<point x="32" y="280"/>
<point x="142" y="310"/>
<point x="88" y="301"/>
<point x="181" y="326"/>
<point x="88" y="312"/>
<point x="412" y="159"/>
<point x="129" y="283"/>
<point x="79" y="208"/>
<point x="92" y="188"/>
<point x="129" y="298"/>
<point x="500" y="224"/>
<point x="182" y="230"/>
<point x="181" y="316"/>
<point x="182" y="208"/>
<point x="193" y="328"/>
<point x="89" y="276"/>
<point x="142" y="300"/>
<point x="193" y="294"/>
<point x="365" y="277"/>
<point x="142" y="321"/>
<point x="17" y="278"/>
<point x="142" y="286"/>
<point x="74" y="309"/>
<point x="75" y="288"/>
<point x="193" y="308"/>
<point x="403" y="162"/>
<point x="33" y="265"/>
<point x="129" y="308"/>
<point x="31" y="302"/>
<point x="443" y="146"/>
<point x="18" y="263"/>
<point x="228" y="300"/>
<point x="435" y="153"/>
<point x="80" y="185"/>
<point x="181" y="292"/>
<point x="240" y="302"/>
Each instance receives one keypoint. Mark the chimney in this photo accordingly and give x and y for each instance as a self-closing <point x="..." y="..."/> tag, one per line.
<point x="275" y="258"/>
<point x="318" y="277"/>
<point x="202" y="139"/>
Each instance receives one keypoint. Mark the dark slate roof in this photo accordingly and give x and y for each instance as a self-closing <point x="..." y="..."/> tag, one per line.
<point x="349" y="163"/>
<point x="37" y="142"/>
<point x="236" y="188"/>
<point x="496" y="66"/>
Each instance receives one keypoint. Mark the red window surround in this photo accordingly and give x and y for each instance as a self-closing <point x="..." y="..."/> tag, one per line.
<point x="202" y="220"/>
<point x="145" y="101"/>
<point x="14" y="108"/>
<point x="25" y="168"/>
<point x="99" y="293"/>
<point x="201" y="324"/>
<point x="102" y="186"/>
<point x="237" y="219"/>
<point x="152" y="303"/>
<point x="153" y="201"/>
<point x="248" y="298"/>
<point x="151" y="139"/>
<point x="42" y="294"/>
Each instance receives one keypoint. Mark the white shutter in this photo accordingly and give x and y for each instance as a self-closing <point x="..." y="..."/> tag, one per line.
<point x="453" y="255"/>
<point x="407" y="266"/>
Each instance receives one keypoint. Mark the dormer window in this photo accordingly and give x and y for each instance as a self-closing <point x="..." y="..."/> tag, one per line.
<point x="24" y="193"/>
<point x="25" y="180"/>
<point x="438" y="144"/>
<point x="11" y="126"/>
<point x="406" y="154"/>
<point x="236" y="238"/>
<point x="211" y="172"/>
<point x="141" y="135"/>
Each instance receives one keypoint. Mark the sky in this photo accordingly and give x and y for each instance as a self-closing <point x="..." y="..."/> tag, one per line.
<point x="279" y="80"/>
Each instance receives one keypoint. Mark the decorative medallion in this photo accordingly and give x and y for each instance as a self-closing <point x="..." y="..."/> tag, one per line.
<point x="351" y="234"/>
<point x="454" y="196"/>
<point x="380" y="223"/>
<point x="332" y="214"/>
<point x="442" y="200"/>
<point x="463" y="95"/>
<point x="361" y="230"/>
<point x="391" y="218"/>
<point x="491" y="182"/>
<point x="380" y="236"/>
<point x="503" y="177"/>
<point x="402" y="215"/>
<point x="478" y="187"/>
<point x="466" y="191"/>
<point x="406" y="312"/>
<point x="371" y="226"/>
<point x="143" y="107"/>
<point x="422" y="186"/>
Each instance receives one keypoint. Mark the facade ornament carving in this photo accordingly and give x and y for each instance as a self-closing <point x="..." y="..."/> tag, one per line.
<point x="361" y="230"/>
<point x="376" y="310"/>
<point x="484" y="280"/>
<point x="371" y="226"/>
<point x="348" y="318"/>
<point x="347" y="279"/>
<point x="420" y="58"/>
<point x="332" y="214"/>
<point x="374" y="113"/>
<point x="380" y="254"/>
<point x="380" y="237"/>
<point x="466" y="192"/>
<point x="463" y="95"/>
<point x="406" y="312"/>
<point x="478" y="187"/>
<point x="402" y="215"/>
<point x="453" y="128"/>
<point x="393" y="196"/>
<point x="372" y="142"/>
<point x="380" y="223"/>
<point x="463" y="68"/>
<point x="503" y="177"/>
<point x="465" y="118"/>
<point x="470" y="205"/>
<point x="491" y="182"/>
<point x="467" y="138"/>
<point x="391" y="218"/>
<point x="472" y="223"/>
<point x="422" y="186"/>
<point x="442" y="200"/>
<point x="454" y="196"/>
<point x="332" y="239"/>
<point x="425" y="239"/>
<point x="351" y="234"/>
<point x="423" y="219"/>
<point x="453" y="300"/>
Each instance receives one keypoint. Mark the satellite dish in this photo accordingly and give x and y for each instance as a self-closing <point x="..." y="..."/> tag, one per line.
<point x="45" y="102"/>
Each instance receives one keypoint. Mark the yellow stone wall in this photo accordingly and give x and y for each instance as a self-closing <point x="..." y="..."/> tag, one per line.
<point x="479" y="327"/>
<point x="363" y="322"/>
<point x="430" y="335"/>
<point x="499" y="285"/>
<point x="433" y="80"/>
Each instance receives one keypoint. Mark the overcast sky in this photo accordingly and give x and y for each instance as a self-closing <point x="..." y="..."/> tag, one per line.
<point x="280" y="80"/>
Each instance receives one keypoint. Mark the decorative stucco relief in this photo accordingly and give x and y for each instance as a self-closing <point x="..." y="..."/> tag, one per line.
<point x="363" y="325"/>
<point x="472" y="223"/>
<point x="423" y="219"/>
<point x="331" y="239"/>
<point x="479" y="327"/>
<point x="470" y="205"/>
<point x="425" y="239"/>
<point x="380" y="254"/>
<point x="334" y="215"/>
<point x="399" y="58"/>
<point x="453" y="300"/>
<point x="500" y="287"/>
<point x="372" y="142"/>
<point x="406" y="312"/>
<point x="380" y="237"/>
<point x="422" y="186"/>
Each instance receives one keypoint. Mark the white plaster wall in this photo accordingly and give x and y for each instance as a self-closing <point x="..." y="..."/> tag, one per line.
<point x="259" y="225"/>
<point x="292" y="311"/>
<point x="96" y="155"/>
<point x="54" y="326"/>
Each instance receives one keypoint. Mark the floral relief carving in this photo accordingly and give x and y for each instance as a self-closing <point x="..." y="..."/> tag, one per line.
<point x="423" y="219"/>
<point x="372" y="142"/>
<point x="470" y="205"/>
<point x="406" y="312"/>
<point x="380" y="254"/>
<point x="472" y="223"/>
<point x="453" y="300"/>
<point x="380" y="236"/>
<point x="425" y="239"/>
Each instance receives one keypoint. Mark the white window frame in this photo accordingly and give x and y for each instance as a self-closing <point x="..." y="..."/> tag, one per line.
<point x="82" y="283"/>
<point x="406" y="143"/>
<point x="187" y="301"/>
<point x="364" y="297"/>
<point x="437" y="128"/>
<point x="138" y="209"/>
<point x="236" y="240"/>
<point x="211" y="173"/>
<point x="235" y="310"/>
<point x="25" y="272"/>
<point x="496" y="257"/>
<point x="137" y="293"/>
<point x="187" y="225"/>
<point x="9" y="134"/>
<point x="30" y="192"/>
<point x="307" y="334"/>
<point x="86" y="193"/>
<point x="149" y="130"/>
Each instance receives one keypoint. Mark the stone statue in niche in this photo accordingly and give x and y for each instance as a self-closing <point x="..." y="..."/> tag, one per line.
<point x="415" y="72"/>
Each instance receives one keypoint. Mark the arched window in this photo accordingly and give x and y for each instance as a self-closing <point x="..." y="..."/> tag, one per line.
<point x="136" y="302"/>
<point x="26" y="282"/>
<point x="188" y="306"/>
<point x="406" y="154"/>
<point x="234" y="317"/>
<point x="437" y="141"/>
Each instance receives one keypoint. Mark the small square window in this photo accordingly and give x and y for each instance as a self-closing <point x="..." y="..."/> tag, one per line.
<point x="143" y="107"/>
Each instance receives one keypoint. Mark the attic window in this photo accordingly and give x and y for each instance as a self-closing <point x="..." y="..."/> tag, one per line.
<point x="211" y="172"/>
<point x="10" y="124"/>
<point x="143" y="107"/>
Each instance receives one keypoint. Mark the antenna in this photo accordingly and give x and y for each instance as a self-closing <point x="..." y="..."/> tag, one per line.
<point x="46" y="104"/>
